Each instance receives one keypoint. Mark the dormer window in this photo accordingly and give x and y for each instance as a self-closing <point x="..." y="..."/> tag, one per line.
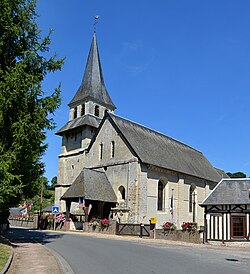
<point x="83" y="110"/>
<point x="75" y="112"/>
<point x="97" y="110"/>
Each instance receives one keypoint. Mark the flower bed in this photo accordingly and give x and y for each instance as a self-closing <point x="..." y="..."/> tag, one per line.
<point x="178" y="235"/>
<point x="100" y="226"/>
<point x="60" y="220"/>
<point x="30" y="221"/>
<point x="188" y="226"/>
<point x="104" y="224"/>
<point x="169" y="226"/>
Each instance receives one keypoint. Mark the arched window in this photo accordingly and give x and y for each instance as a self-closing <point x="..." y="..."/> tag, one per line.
<point x="122" y="192"/>
<point x="191" y="197"/>
<point x="83" y="110"/>
<point x="160" y="200"/>
<point x="75" y="112"/>
<point x="97" y="111"/>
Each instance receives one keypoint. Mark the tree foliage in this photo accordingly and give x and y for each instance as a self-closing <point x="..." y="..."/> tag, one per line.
<point x="25" y="109"/>
<point x="53" y="183"/>
<point x="47" y="193"/>
<point x="237" y="175"/>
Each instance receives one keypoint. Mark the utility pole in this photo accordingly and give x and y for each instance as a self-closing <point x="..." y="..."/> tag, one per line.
<point x="41" y="201"/>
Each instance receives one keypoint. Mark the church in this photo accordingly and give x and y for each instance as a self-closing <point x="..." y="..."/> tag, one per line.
<point x="121" y="168"/>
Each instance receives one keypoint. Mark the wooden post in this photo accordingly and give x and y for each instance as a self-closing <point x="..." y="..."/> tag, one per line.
<point x="222" y="227"/>
<point x="205" y="228"/>
<point x="68" y="203"/>
<point x="141" y="230"/>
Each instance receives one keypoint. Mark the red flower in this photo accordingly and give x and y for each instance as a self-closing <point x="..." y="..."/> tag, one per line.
<point x="105" y="222"/>
<point x="167" y="225"/>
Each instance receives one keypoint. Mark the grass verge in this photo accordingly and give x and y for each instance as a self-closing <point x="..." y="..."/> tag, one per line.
<point x="5" y="251"/>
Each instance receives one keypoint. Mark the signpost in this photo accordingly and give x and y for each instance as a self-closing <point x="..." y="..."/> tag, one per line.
<point x="55" y="211"/>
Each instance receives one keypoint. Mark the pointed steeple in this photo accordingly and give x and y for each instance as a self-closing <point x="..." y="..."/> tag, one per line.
<point x="92" y="86"/>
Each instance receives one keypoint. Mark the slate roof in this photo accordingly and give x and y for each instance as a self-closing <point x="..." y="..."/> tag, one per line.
<point x="16" y="211"/>
<point x="92" y="185"/>
<point x="229" y="191"/>
<point x="47" y="209"/>
<point x="157" y="149"/>
<point x="222" y="173"/>
<point x="87" y="119"/>
<point x="92" y="86"/>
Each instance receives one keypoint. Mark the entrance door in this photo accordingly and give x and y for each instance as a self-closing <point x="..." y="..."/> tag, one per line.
<point x="238" y="226"/>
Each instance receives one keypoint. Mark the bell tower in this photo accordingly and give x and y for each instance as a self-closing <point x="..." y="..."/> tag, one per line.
<point x="91" y="101"/>
<point x="86" y="110"/>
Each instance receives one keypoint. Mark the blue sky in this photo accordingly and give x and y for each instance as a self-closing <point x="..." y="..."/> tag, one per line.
<point x="179" y="67"/>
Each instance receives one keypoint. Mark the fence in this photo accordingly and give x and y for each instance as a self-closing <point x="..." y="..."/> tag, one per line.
<point x="133" y="229"/>
<point x="24" y="222"/>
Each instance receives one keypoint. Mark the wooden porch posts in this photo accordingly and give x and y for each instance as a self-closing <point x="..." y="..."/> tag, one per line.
<point x="68" y="203"/>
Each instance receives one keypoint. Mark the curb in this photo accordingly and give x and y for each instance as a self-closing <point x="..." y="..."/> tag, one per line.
<point x="7" y="265"/>
<point x="63" y="265"/>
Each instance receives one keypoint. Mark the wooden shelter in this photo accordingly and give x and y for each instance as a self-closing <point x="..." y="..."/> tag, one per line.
<point x="91" y="187"/>
<point x="227" y="211"/>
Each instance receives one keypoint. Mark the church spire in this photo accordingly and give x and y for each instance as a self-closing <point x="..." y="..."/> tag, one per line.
<point x="92" y="86"/>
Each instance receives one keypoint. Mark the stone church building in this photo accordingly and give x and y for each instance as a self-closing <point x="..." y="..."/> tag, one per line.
<point x="118" y="166"/>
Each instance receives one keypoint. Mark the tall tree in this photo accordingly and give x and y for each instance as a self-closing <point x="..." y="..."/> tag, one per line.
<point x="53" y="183"/>
<point x="25" y="109"/>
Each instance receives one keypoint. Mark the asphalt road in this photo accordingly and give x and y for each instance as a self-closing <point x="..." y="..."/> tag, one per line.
<point x="92" y="255"/>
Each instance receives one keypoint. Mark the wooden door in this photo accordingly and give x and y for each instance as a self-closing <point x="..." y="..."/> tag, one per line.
<point x="238" y="225"/>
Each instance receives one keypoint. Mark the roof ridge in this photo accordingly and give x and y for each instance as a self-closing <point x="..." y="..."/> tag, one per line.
<point x="236" y="179"/>
<point x="91" y="169"/>
<point x="218" y="184"/>
<point x="155" y="131"/>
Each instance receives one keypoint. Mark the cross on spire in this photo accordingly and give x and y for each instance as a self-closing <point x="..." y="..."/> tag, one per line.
<point x="95" y="22"/>
<point x="92" y="86"/>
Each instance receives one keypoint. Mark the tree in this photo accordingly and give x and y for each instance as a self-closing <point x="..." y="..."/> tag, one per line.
<point x="53" y="183"/>
<point x="25" y="109"/>
<point x="237" y="175"/>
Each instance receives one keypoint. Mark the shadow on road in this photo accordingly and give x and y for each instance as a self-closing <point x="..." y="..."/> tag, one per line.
<point x="22" y="235"/>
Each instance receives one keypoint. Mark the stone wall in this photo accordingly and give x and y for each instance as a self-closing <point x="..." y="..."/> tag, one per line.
<point x="121" y="168"/>
<point x="111" y="229"/>
<point x="178" y="235"/>
<point x="180" y="184"/>
<point x="24" y="222"/>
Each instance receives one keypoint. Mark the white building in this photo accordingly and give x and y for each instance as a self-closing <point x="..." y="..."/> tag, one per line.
<point x="112" y="162"/>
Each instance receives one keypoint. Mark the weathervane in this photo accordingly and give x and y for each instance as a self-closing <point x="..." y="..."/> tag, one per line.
<point x="95" y="22"/>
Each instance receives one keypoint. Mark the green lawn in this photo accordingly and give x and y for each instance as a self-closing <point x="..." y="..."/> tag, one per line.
<point x="5" y="251"/>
